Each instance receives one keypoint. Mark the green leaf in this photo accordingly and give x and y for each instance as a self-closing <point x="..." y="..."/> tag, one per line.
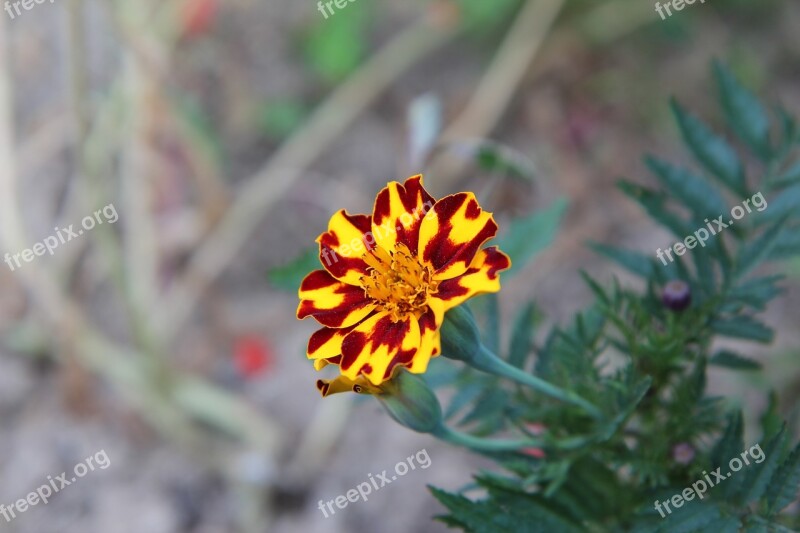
<point x="289" y="276"/>
<point x="495" y="157"/>
<point x="787" y="245"/>
<point x="733" y="361"/>
<point x="789" y="177"/>
<point x="520" y="513"/>
<point x="712" y="151"/>
<point x="491" y="335"/>
<point x="528" y="236"/>
<point x="465" y="395"/>
<point x="746" y="115"/>
<point x="632" y="261"/>
<point x="654" y="204"/>
<point x="697" y="194"/>
<point x="336" y="45"/>
<point x="743" y="327"/>
<point x="784" y="485"/>
<point x="759" y="474"/>
<point x="729" y="524"/>
<point x="786" y="203"/>
<point x="522" y="336"/>
<point x="690" y="517"/>
<point x="280" y="118"/>
<point x="757" y="292"/>
<point x="731" y="442"/>
<point x="756" y="251"/>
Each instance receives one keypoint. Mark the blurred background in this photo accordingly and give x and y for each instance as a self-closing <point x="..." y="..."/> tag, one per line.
<point x="225" y="134"/>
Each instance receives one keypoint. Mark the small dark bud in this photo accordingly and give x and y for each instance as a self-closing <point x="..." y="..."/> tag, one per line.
<point x="676" y="295"/>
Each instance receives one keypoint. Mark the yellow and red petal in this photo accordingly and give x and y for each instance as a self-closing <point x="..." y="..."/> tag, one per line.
<point x="326" y="343"/>
<point x="376" y="346"/>
<point x="430" y="339"/>
<point x="452" y="233"/>
<point x="398" y="213"/>
<point x="343" y="246"/>
<point x="482" y="276"/>
<point x="343" y="384"/>
<point x="331" y="302"/>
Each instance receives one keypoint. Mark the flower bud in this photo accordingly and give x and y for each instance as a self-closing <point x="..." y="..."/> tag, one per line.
<point x="676" y="295"/>
<point x="410" y="401"/>
<point x="460" y="337"/>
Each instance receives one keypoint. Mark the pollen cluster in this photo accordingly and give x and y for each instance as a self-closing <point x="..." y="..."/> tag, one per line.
<point x="399" y="282"/>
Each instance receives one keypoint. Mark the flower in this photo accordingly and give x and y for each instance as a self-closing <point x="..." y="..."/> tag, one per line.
<point x="390" y="277"/>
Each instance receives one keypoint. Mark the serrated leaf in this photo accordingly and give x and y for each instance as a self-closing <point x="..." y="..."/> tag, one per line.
<point x="690" y="517"/>
<point x="784" y="485"/>
<point x="757" y="292"/>
<point x="522" y="336"/>
<point x="289" y="276"/>
<point x="711" y="150"/>
<point x="731" y="442"/>
<point x="745" y="113"/>
<point x="756" y="251"/>
<point x="759" y="474"/>
<point x="733" y="361"/>
<point x="465" y="395"/>
<point x="491" y="335"/>
<point x="654" y="204"/>
<point x="743" y="327"/>
<point x="785" y="203"/>
<point x="729" y="524"/>
<point x="789" y="177"/>
<point x="632" y="261"/>
<point x="515" y="512"/>
<point x="528" y="236"/>
<point x="698" y="195"/>
<point x="787" y="245"/>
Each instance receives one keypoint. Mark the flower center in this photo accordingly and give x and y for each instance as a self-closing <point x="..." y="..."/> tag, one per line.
<point x="398" y="282"/>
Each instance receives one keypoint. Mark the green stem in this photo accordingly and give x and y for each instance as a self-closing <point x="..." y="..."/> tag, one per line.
<point x="480" y="444"/>
<point x="488" y="362"/>
<point x="472" y="442"/>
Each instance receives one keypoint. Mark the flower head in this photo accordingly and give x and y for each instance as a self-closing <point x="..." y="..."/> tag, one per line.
<point x="388" y="279"/>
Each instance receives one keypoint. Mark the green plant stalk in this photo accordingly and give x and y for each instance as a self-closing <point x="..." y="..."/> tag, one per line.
<point x="488" y="362"/>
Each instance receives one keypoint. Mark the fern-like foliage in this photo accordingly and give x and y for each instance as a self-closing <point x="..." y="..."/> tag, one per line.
<point x="645" y="364"/>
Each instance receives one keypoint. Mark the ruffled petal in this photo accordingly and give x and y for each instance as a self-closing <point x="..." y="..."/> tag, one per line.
<point x="331" y="302"/>
<point x="343" y="246"/>
<point x="430" y="339"/>
<point x="342" y="384"/>
<point x="376" y="346"/>
<point x="398" y="213"/>
<point x="482" y="276"/>
<point x="452" y="233"/>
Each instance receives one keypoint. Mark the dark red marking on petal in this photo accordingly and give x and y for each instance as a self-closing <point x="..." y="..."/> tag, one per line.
<point x="473" y="210"/>
<point x="318" y="279"/>
<point x="354" y="299"/>
<point x="440" y="251"/>
<point x="414" y="199"/>
<point x="385" y="333"/>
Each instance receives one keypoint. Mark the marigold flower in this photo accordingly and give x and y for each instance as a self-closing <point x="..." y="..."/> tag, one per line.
<point x="390" y="277"/>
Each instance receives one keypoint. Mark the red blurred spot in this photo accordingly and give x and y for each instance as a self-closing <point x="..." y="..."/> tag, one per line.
<point x="198" y="16"/>
<point x="538" y="453"/>
<point x="252" y="356"/>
